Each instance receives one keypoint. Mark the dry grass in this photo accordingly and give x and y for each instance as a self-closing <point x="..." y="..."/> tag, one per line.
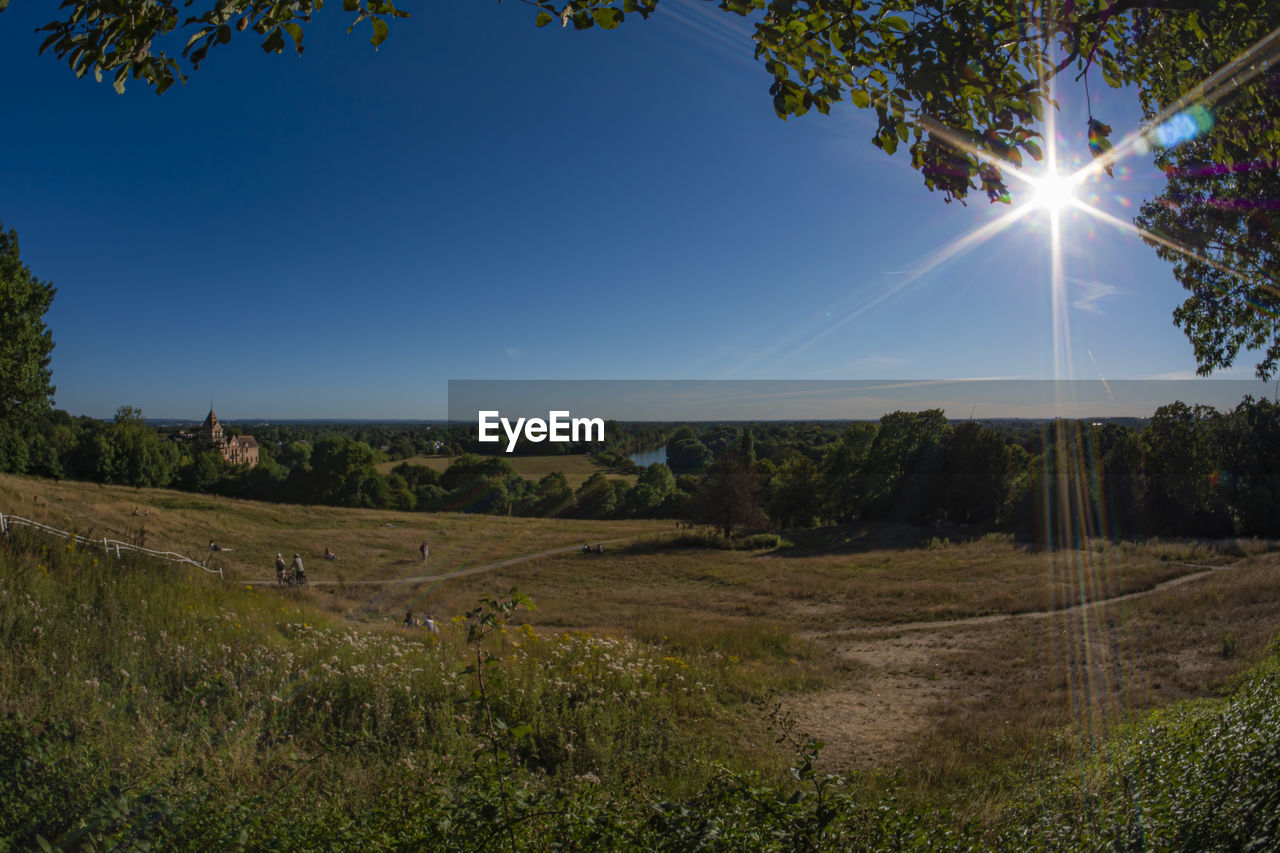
<point x="576" y="467"/>
<point x="1012" y="685"/>
<point x="254" y="532"/>
<point x="832" y="624"/>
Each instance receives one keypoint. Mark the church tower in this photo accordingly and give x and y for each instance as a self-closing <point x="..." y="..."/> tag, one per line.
<point x="213" y="430"/>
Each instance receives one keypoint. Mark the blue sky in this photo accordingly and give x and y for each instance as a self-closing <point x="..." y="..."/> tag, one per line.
<point x="338" y="235"/>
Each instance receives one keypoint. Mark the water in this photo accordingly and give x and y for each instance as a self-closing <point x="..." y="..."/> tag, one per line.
<point x="645" y="458"/>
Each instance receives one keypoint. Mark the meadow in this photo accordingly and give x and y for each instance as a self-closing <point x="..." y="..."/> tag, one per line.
<point x="576" y="467"/>
<point x="655" y="695"/>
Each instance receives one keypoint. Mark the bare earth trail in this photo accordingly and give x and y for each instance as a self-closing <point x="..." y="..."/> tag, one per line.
<point x="902" y="677"/>
<point x="471" y="570"/>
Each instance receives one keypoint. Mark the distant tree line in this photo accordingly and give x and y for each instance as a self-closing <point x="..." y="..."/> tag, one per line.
<point x="1188" y="471"/>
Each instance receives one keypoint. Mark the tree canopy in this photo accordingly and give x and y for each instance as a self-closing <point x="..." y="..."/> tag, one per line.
<point x="25" y="348"/>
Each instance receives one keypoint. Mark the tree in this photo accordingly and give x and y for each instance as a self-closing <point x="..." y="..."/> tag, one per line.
<point x="843" y="472"/>
<point x="598" y="496"/>
<point x="973" y="475"/>
<point x="124" y="37"/>
<point x="551" y="496"/>
<point x="342" y="473"/>
<point x="1182" y="471"/>
<point x="795" y="492"/>
<point x="730" y="497"/>
<point x="1216" y="219"/>
<point x="901" y="462"/>
<point x="1248" y="447"/>
<point x="961" y="84"/>
<point x="26" y="343"/>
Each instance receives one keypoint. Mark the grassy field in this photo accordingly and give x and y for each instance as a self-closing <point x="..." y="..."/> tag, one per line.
<point x="371" y="544"/>
<point x="947" y="665"/>
<point x="576" y="467"/>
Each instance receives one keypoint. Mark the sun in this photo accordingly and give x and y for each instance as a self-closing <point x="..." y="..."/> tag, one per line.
<point x="1054" y="190"/>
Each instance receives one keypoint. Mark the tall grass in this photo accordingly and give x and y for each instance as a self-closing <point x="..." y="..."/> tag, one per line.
<point x="127" y="683"/>
<point x="144" y="706"/>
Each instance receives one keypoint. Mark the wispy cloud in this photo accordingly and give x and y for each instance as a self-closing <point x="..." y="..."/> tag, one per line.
<point x="513" y="352"/>
<point x="1090" y="294"/>
<point x="881" y="360"/>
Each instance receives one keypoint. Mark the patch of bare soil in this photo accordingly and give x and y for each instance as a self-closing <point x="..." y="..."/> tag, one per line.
<point x="917" y="687"/>
<point x="872" y="720"/>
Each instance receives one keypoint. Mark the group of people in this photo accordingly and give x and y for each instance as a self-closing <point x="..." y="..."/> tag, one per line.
<point x="411" y="621"/>
<point x="587" y="549"/>
<point x="294" y="574"/>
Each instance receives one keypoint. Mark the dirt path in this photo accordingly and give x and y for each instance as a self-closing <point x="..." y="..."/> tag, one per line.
<point x="900" y="678"/>
<point x="969" y="621"/>
<point x="472" y="570"/>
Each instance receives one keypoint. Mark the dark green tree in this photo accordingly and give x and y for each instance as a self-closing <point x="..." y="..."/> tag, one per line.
<point x="1118" y="486"/>
<point x="794" y="493"/>
<point x="26" y="344"/>
<point x="730" y="498"/>
<point x="482" y="484"/>
<point x="843" y="469"/>
<point x="1182" y="471"/>
<point x="1247" y="442"/>
<point x="902" y="462"/>
<point x="550" y="496"/>
<point x="598" y="497"/>
<point x="342" y="474"/>
<point x="972" y="478"/>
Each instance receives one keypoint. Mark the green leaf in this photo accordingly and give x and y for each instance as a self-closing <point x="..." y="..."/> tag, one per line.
<point x="860" y="98"/>
<point x="3" y="4"/>
<point x="273" y="43"/>
<point x="607" y="18"/>
<point x="1033" y="149"/>
<point x="889" y="142"/>
<point x="895" y="22"/>
<point x="295" y="31"/>
<point x="195" y="38"/>
<point x="379" y="32"/>
<point x="543" y="19"/>
<point x="351" y="5"/>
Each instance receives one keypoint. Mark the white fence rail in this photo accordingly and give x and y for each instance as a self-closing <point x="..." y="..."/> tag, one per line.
<point x="108" y="545"/>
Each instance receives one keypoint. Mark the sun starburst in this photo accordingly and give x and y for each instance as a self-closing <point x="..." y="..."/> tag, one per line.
<point x="1054" y="190"/>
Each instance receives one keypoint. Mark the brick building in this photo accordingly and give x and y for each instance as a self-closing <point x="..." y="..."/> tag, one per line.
<point x="236" y="449"/>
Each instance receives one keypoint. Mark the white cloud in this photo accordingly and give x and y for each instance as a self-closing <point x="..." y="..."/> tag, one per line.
<point x="1089" y="294"/>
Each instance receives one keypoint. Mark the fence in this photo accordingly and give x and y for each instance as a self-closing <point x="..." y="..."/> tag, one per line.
<point x="108" y="545"/>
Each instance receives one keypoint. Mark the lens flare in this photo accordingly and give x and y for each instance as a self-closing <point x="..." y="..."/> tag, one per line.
<point x="1054" y="191"/>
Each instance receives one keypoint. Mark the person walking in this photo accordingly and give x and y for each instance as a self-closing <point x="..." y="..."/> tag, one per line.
<point x="426" y="552"/>
<point x="280" y="567"/>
